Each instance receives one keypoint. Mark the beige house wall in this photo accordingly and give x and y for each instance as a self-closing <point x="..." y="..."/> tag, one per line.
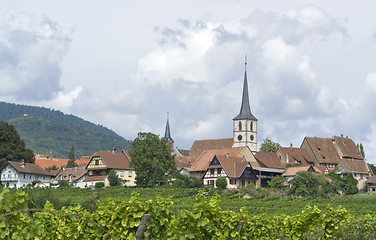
<point x="127" y="177"/>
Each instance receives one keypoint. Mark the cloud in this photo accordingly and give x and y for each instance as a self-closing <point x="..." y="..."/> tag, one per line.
<point x="32" y="50"/>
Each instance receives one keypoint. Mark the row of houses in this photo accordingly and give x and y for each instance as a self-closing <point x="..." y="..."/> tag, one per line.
<point x="88" y="171"/>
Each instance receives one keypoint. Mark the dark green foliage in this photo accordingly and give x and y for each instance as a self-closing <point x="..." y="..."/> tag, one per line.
<point x="151" y="159"/>
<point x="52" y="168"/>
<point x="221" y="182"/>
<point x="361" y="149"/>
<point x="12" y="148"/>
<point x="304" y="184"/>
<point x="44" y="130"/>
<point x="71" y="159"/>
<point x="186" y="181"/>
<point x="277" y="182"/>
<point x="99" y="185"/>
<point x="63" y="184"/>
<point x="113" y="178"/>
<point x="347" y="184"/>
<point x="269" y="146"/>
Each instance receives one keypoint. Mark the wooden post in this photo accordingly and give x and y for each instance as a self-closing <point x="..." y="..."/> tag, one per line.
<point x="142" y="227"/>
<point x="239" y="227"/>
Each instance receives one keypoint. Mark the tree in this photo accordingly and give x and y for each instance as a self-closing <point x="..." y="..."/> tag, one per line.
<point x="151" y="159"/>
<point x="277" y="182"/>
<point x="221" y="182"/>
<point x="99" y="185"/>
<point x="113" y="178"/>
<point x="71" y="159"/>
<point x="12" y="147"/>
<point x="269" y="146"/>
<point x="304" y="184"/>
<point x="361" y="149"/>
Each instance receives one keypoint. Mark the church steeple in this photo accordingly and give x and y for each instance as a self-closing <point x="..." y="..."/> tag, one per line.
<point x="169" y="140"/>
<point x="245" y="124"/>
<point x="245" y="109"/>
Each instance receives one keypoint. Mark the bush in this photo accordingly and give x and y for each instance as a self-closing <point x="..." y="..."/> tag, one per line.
<point x="99" y="185"/>
<point x="113" y="178"/>
<point x="221" y="182"/>
<point x="63" y="184"/>
<point x="277" y="182"/>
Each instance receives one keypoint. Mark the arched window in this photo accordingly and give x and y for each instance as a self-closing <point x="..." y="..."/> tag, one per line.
<point x="251" y="126"/>
<point x="240" y="126"/>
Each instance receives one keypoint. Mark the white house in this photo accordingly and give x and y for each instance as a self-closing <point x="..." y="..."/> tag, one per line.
<point x="20" y="174"/>
<point x="75" y="177"/>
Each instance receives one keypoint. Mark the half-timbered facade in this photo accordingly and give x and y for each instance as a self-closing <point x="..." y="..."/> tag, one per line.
<point x="103" y="162"/>
<point x="237" y="171"/>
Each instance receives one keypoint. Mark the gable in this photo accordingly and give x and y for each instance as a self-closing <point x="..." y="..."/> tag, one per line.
<point x="96" y="162"/>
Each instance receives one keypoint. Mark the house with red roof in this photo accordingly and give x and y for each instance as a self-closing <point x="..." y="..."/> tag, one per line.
<point x="101" y="163"/>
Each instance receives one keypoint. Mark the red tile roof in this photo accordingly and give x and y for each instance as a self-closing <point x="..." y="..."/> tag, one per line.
<point x="199" y="146"/>
<point x="233" y="166"/>
<point x="356" y="165"/>
<point x="292" y="171"/>
<point x="348" y="148"/>
<point x="206" y="157"/>
<point x="372" y="179"/>
<point x="48" y="163"/>
<point x="95" y="178"/>
<point x="118" y="160"/>
<point x="269" y="160"/>
<point x="77" y="173"/>
<point x="296" y="155"/>
<point x="323" y="149"/>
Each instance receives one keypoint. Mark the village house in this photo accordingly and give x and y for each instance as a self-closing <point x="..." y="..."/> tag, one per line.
<point x="372" y="184"/>
<point x="291" y="172"/>
<point x="20" y="174"/>
<point x="75" y="176"/>
<point x="237" y="171"/>
<point x="291" y="155"/>
<point x="103" y="162"/>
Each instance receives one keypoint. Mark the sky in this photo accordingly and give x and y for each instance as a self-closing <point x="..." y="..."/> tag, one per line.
<point x="125" y="64"/>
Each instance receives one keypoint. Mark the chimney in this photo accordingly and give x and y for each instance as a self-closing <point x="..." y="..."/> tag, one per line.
<point x="227" y="155"/>
<point x="341" y="134"/>
<point x="23" y="163"/>
<point x="291" y="147"/>
<point x="113" y="150"/>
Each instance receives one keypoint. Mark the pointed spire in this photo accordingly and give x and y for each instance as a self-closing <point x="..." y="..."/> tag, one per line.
<point x="167" y="131"/>
<point x="245" y="109"/>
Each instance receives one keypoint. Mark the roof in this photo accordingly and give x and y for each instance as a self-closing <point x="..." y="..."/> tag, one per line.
<point x="323" y="149"/>
<point x="183" y="152"/>
<point x="245" y="109"/>
<point x="77" y="173"/>
<point x="95" y="178"/>
<point x="199" y="146"/>
<point x="292" y="171"/>
<point x="119" y="160"/>
<point x="296" y="155"/>
<point x="181" y="162"/>
<point x="372" y="179"/>
<point x="50" y="162"/>
<point x="233" y="166"/>
<point x="347" y="147"/>
<point x="29" y="168"/>
<point x="269" y="160"/>
<point x="83" y="161"/>
<point x="356" y="165"/>
<point x="207" y="156"/>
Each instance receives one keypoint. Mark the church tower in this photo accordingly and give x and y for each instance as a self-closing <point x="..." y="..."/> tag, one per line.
<point x="169" y="140"/>
<point x="245" y="124"/>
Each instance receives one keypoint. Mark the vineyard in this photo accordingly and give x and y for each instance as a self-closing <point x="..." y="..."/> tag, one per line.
<point x="205" y="219"/>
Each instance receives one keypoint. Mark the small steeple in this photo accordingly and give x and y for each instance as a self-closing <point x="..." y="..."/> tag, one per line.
<point x="167" y="131"/>
<point x="245" y="110"/>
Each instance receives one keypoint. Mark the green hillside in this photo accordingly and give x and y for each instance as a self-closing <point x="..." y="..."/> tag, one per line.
<point x="45" y="130"/>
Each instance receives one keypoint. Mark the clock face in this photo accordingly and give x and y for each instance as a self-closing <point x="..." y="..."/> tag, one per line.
<point x="252" y="137"/>
<point x="240" y="137"/>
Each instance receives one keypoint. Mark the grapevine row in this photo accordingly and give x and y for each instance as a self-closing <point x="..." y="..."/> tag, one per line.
<point x="206" y="220"/>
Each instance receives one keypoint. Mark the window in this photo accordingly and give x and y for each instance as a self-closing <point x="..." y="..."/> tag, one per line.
<point x="251" y="126"/>
<point x="232" y="181"/>
<point x="212" y="171"/>
<point x="122" y="173"/>
<point x="240" y="126"/>
<point x="219" y="171"/>
<point x="96" y="162"/>
<point x="211" y="182"/>
<point x="129" y="173"/>
<point x="24" y="176"/>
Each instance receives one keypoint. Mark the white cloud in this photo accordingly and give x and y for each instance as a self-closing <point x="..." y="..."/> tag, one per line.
<point x="31" y="50"/>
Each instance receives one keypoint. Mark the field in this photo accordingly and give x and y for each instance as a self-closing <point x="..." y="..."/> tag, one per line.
<point x="174" y="213"/>
<point x="183" y="198"/>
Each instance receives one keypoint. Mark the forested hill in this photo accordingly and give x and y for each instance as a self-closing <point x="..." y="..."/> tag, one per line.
<point x="45" y="130"/>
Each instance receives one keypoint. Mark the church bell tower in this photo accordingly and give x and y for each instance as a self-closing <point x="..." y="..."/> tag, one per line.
<point x="245" y="124"/>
